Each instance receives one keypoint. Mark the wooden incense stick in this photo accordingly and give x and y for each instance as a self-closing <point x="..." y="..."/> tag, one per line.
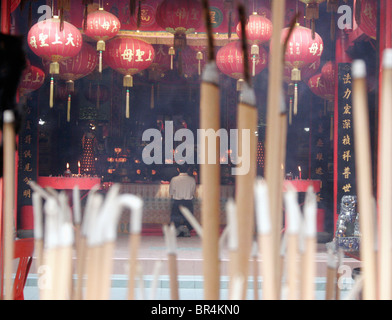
<point x="155" y="278"/>
<point x="309" y="265"/>
<point x="210" y="167"/>
<point x="232" y="227"/>
<point x="264" y="228"/>
<point x="135" y="205"/>
<point x="255" y="271"/>
<point x="170" y="239"/>
<point x="364" y="179"/>
<point x="38" y="228"/>
<point x="93" y="246"/>
<point x="82" y="244"/>
<point x="273" y="141"/>
<point x="384" y="181"/>
<point x="331" y="276"/>
<point x="293" y="223"/>
<point x="48" y="281"/>
<point x="246" y="170"/>
<point x="9" y="198"/>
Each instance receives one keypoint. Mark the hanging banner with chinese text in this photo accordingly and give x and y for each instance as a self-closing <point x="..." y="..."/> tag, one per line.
<point x="345" y="166"/>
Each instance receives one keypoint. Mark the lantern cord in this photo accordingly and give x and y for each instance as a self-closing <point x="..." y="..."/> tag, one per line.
<point x="291" y="111"/>
<point x="206" y="10"/>
<point x="241" y="12"/>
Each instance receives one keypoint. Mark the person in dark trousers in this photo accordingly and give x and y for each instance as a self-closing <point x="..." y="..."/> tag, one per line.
<point x="182" y="190"/>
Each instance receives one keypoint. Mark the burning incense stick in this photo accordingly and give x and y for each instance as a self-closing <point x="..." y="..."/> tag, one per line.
<point x="384" y="181"/>
<point x="210" y="169"/>
<point x="309" y="271"/>
<point x="192" y="220"/>
<point x="264" y="228"/>
<point x="364" y="178"/>
<point x="293" y="222"/>
<point x="273" y="173"/>
<point x="170" y="239"/>
<point x="9" y="198"/>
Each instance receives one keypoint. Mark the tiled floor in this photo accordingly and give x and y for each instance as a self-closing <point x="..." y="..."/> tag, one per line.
<point x="152" y="252"/>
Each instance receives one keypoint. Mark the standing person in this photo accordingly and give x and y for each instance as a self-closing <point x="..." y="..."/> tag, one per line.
<point x="182" y="190"/>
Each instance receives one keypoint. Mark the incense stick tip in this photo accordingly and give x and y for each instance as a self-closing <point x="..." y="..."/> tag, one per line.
<point x="210" y="73"/>
<point x="359" y="69"/>
<point x="248" y="95"/>
<point x="387" y="59"/>
<point x="8" y="116"/>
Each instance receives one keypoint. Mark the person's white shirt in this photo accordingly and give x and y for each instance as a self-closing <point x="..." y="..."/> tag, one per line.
<point x="182" y="187"/>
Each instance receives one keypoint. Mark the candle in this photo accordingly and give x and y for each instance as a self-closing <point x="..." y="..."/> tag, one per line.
<point x="79" y="167"/>
<point x="300" y="172"/>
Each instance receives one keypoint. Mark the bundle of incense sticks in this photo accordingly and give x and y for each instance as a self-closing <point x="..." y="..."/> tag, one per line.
<point x="171" y="245"/>
<point x="96" y="236"/>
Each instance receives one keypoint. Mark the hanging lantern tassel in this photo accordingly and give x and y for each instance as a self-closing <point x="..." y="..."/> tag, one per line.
<point x="127" y="82"/>
<point x="295" y="99"/>
<point x="54" y="68"/>
<point x="172" y="52"/>
<point x="69" y="108"/>
<point x="254" y="51"/>
<point x="291" y="111"/>
<point x="199" y="57"/>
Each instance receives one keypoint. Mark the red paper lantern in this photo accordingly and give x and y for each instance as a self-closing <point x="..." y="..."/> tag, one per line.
<point x="102" y="26"/>
<point x="368" y="18"/>
<point x="258" y="29"/>
<point x="46" y="40"/>
<point x="229" y="60"/>
<point x="32" y="79"/>
<point x="322" y="88"/>
<point x="179" y="17"/>
<point x="301" y="49"/>
<point x="328" y="72"/>
<point x="128" y="56"/>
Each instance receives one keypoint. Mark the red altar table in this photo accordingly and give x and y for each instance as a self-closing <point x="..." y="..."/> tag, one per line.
<point x="68" y="183"/>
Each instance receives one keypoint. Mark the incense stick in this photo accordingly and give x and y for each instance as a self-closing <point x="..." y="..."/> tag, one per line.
<point x="331" y="274"/>
<point x="38" y="227"/>
<point x="155" y="278"/>
<point x="244" y="193"/>
<point x="384" y="181"/>
<point x="273" y="140"/>
<point x="364" y="179"/>
<point x="232" y="227"/>
<point x="309" y="271"/>
<point x="170" y="239"/>
<point x="9" y="198"/>
<point x="255" y="271"/>
<point x="135" y="205"/>
<point x="293" y="222"/>
<point x="264" y="228"/>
